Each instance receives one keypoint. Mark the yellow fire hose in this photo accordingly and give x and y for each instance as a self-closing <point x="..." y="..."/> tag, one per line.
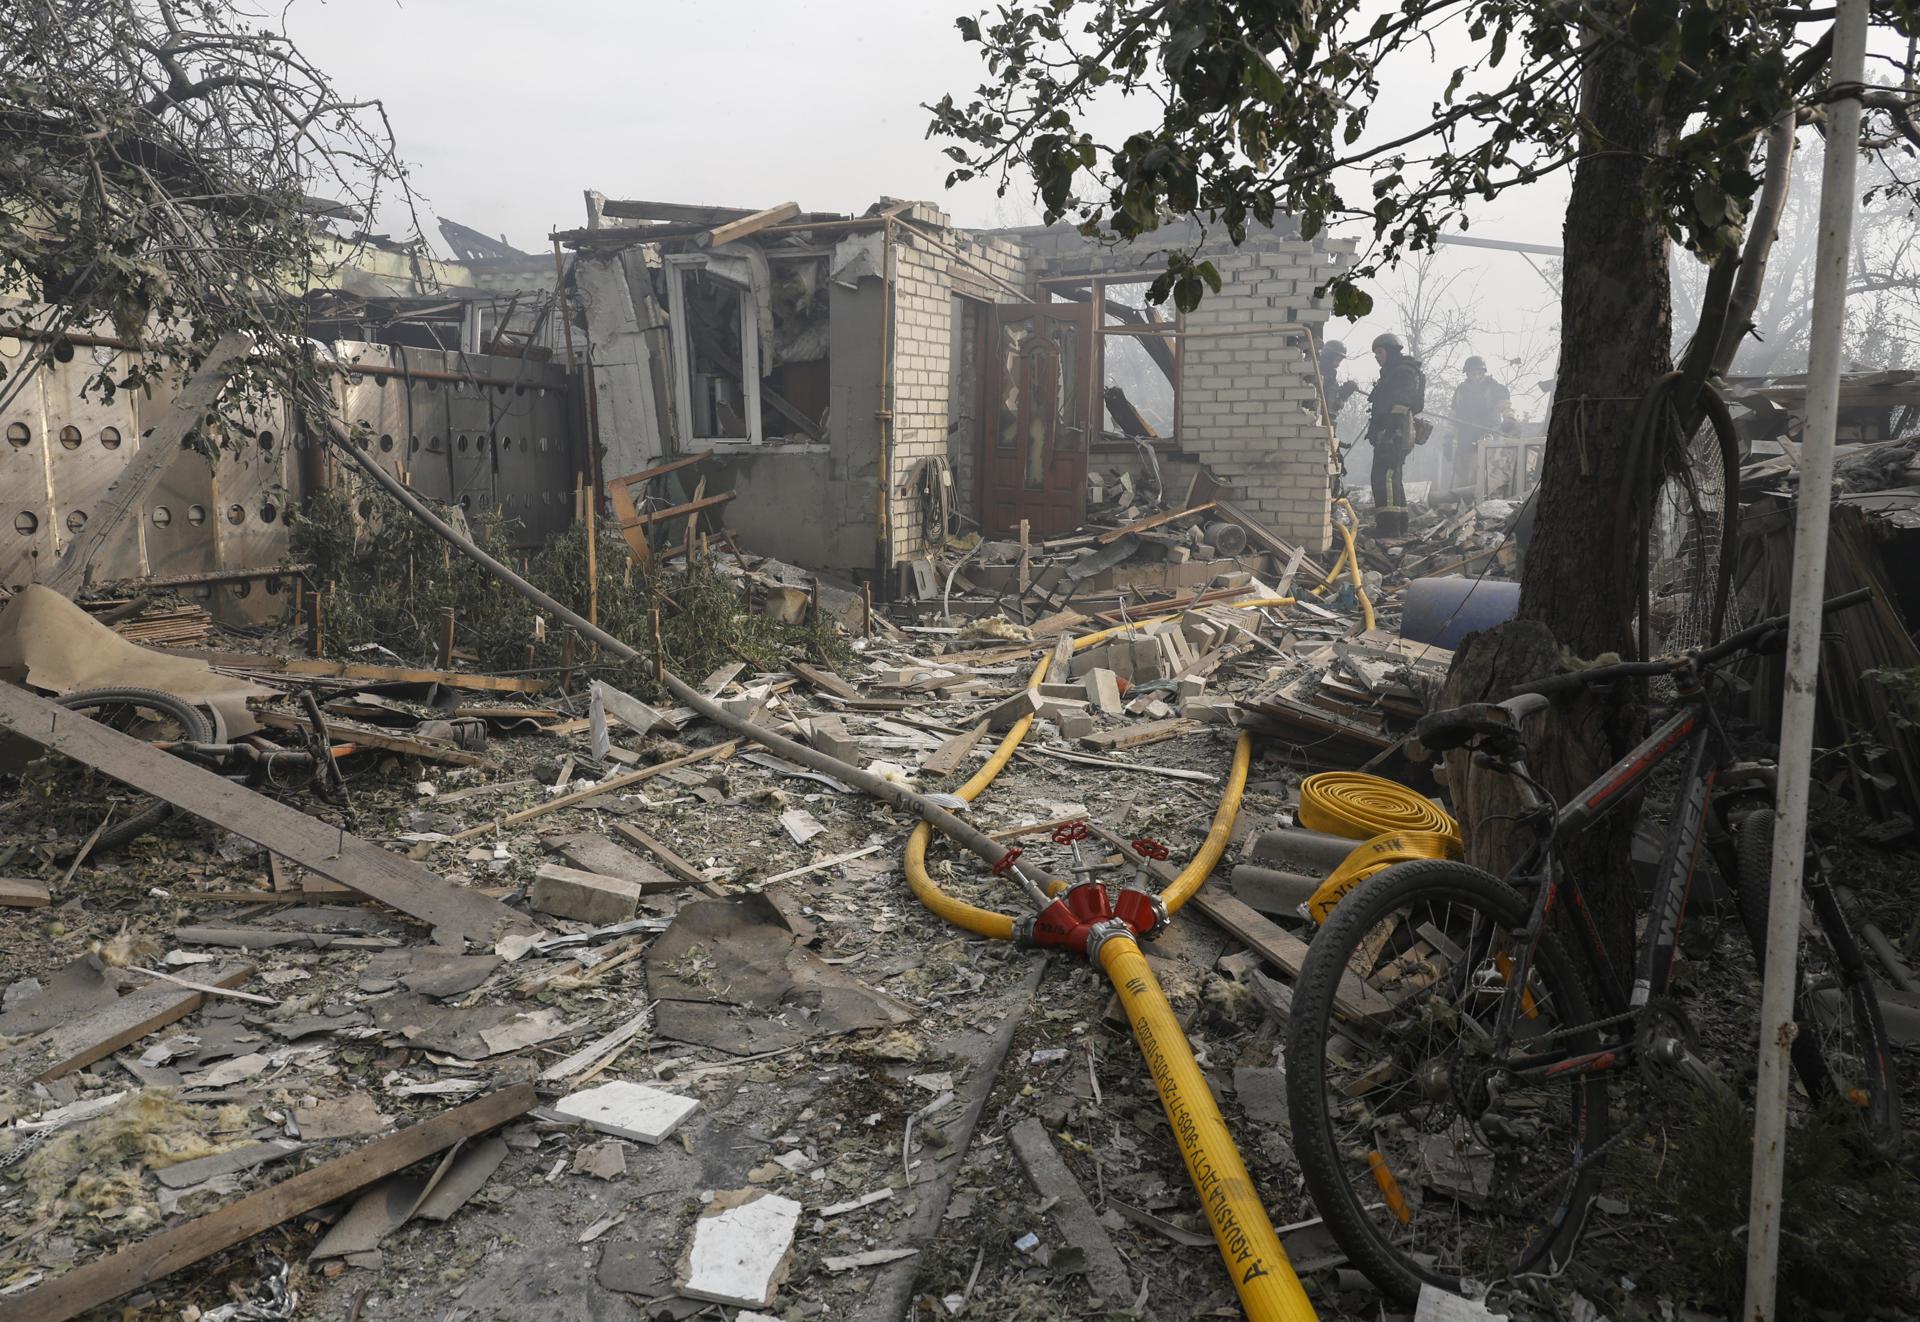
<point x="1254" y="1258"/>
<point x="1396" y="823"/>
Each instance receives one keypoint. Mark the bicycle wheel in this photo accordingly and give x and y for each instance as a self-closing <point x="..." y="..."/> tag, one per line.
<point x="1841" y="1050"/>
<point x="1425" y="1165"/>
<point x="145" y="714"/>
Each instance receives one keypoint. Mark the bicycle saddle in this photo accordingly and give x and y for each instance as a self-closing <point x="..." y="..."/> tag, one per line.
<point x="1499" y="721"/>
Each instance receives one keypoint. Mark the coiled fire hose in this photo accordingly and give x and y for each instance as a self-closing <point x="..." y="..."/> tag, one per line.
<point x="1261" y="1274"/>
<point x="1396" y="823"/>
<point x="1254" y="1258"/>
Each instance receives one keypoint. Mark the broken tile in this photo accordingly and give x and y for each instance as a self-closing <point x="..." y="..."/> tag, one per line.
<point x="603" y="1161"/>
<point x="628" y="1110"/>
<point x="741" y="1248"/>
<point x="353" y="1116"/>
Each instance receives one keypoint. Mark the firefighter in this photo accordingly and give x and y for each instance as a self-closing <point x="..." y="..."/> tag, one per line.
<point x="1332" y="389"/>
<point x="1393" y="429"/>
<point x="1481" y="406"/>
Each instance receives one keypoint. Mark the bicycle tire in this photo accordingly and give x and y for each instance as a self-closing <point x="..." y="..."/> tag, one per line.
<point x="1824" y="1068"/>
<point x="195" y="727"/>
<point x="1330" y="1178"/>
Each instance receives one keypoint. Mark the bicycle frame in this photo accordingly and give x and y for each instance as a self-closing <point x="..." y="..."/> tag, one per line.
<point x="1692" y="731"/>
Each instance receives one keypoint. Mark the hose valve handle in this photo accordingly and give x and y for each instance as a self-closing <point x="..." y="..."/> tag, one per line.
<point x="1072" y="833"/>
<point x="1150" y="851"/>
<point x="1007" y="860"/>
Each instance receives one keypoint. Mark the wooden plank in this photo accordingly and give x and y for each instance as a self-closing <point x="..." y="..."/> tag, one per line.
<point x="367" y="736"/>
<point x="639" y="520"/>
<point x="1137" y="736"/>
<point x="316" y="845"/>
<point x="674" y="212"/>
<point x="1072" y="1211"/>
<point x="604" y="787"/>
<point x="748" y="225"/>
<point x="627" y="519"/>
<point x="159" y="1256"/>
<point x="825" y="680"/>
<point x="659" y="470"/>
<point x="1284" y="951"/>
<point x="942" y="760"/>
<point x="81" y="1042"/>
<point x="667" y="859"/>
<point x="1153" y="521"/>
<point x="20" y="893"/>
<point x="326" y="669"/>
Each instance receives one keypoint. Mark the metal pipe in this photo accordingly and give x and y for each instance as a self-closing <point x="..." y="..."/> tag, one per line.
<point x="1803" y="656"/>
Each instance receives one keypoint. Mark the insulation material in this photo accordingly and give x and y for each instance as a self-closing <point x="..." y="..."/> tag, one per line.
<point x="50" y="644"/>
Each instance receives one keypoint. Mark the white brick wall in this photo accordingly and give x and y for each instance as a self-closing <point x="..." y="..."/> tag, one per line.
<point x="922" y="365"/>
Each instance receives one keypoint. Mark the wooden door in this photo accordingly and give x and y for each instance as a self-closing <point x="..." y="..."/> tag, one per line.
<point x="1038" y="393"/>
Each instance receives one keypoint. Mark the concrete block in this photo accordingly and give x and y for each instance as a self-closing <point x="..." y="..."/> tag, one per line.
<point x="1051" y="709"/>
<point x="1211" y="711"/>
<point x="1074" y="725"/>
<point x="828" y="734"/>
<point x="1149" y="662"/>
<point x="1173" y="645"/>
<point x="628" y="1110"/>
<point x="1022" y="704"/>
<point x="1202" y="634"/>
<point x="1103" y="690"/>
<point x="1090" y="658"/>
<point x="585" y="897"/>
<point x="1190" y="686"/>
<point x="1070" y="692"/>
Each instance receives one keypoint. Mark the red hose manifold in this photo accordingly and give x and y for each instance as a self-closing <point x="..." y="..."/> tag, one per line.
<point x="1145" y="915"/>
<point x="1069" y="921"/>
<point x="1071" y="832"/>
<point x="1007" y="860"/>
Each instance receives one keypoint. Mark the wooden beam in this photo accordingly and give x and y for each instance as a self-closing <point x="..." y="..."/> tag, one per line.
<point x="77" y="1043"/>
<point x="1355" y="1001"/>
<point x="321" y="668"/>
<point x="667" y="859"/>
<point x="316" y="845"/>
<point x="367" y="736"/>
<point x="159" y="1256"/>
<point x="640" y="520"/>
<point x="826" y="681"/>
<point x="20" y="893"/>
<point x="672" y="212"/>
<point x="616" y="783"/>
<point x="1153" y="521"/>
<point x="661" y="469"/>
<point x="748" y="225"/>
<point x="1137" y="736"/>
<point x="944" y="759"/>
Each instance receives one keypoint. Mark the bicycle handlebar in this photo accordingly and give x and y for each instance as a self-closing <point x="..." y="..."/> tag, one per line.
<point x="1746" y="640"/>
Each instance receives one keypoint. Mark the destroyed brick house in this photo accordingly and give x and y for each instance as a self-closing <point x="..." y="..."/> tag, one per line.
<point x="864" y="384"/>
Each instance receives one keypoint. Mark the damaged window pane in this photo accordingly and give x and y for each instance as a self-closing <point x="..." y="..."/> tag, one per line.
<point x="713" y="320"/>
<point x="1139" y="365"/>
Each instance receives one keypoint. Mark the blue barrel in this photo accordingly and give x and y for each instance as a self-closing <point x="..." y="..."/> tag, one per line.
<point x="1442" y="611"/>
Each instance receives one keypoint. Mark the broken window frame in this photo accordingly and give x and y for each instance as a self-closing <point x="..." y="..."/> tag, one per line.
<point x="680" y="330"/>
<point x="1174" y="333"/>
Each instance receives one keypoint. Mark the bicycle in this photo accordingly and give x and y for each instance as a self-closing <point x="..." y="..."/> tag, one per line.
<point x="1446" y="1074"/>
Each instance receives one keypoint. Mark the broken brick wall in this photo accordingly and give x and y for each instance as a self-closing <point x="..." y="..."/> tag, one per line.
<point x="1248" y="402"/>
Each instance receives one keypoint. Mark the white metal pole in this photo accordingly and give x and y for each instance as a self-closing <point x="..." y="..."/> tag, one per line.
<point x="1803" y="655"/>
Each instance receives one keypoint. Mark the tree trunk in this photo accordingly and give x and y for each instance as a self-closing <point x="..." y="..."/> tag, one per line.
<point x="1614" y="344"/>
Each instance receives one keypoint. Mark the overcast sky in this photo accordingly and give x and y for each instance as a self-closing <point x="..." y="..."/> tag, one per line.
<point x="509" y="109"/>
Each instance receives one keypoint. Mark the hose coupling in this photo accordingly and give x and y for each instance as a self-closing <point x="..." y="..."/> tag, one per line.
<point x="1144" y="914"/>
<point x="1100" y="933"/>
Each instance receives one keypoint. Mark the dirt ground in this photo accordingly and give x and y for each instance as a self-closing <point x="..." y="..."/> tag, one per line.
<point x="826" y="1118"/>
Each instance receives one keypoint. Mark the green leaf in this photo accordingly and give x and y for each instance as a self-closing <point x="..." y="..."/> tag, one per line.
<point x="1350" y="301"/>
